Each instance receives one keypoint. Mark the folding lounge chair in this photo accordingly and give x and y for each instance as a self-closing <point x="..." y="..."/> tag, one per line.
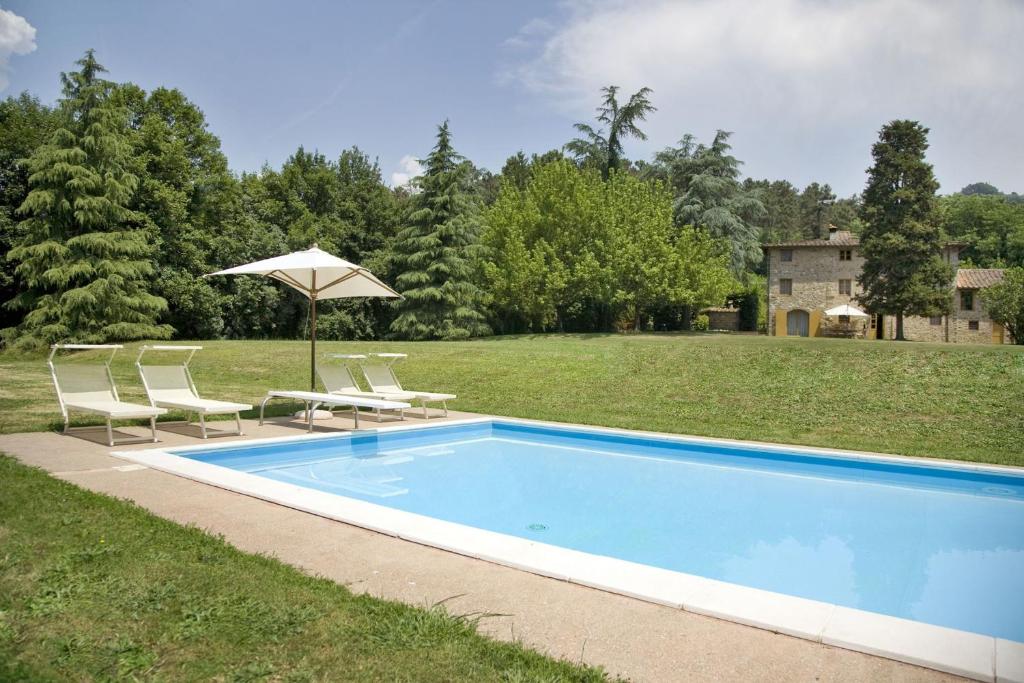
<point x="337" y="379"/>
<point x="89" y="388"/>
<point x="380" y="375"/>
<point x="171" y="386"/>
<point x="314" y="400"/>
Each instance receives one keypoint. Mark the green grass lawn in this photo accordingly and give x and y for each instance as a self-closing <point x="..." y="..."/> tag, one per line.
<point x="93" y="588"/>
<point x="938" y="400"/>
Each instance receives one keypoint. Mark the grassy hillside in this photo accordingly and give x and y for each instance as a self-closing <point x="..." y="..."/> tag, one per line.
<point x="938" y="400"/>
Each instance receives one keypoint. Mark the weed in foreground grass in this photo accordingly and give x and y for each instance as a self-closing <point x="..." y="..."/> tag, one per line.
<point x="93" y="588"/>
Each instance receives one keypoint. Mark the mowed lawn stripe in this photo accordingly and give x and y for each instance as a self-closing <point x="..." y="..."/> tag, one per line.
<point x="936" y="400"/>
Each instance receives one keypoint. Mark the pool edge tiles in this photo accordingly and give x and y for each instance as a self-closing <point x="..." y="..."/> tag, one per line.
<point x="945" y="649"/>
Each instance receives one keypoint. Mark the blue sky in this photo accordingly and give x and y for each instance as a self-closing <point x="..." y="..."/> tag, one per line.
<point x="804" y="84"/>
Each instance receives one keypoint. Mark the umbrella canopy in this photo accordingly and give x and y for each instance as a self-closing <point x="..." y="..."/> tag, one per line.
<point x="846" y="309"/>
<point x="318" y="275"/>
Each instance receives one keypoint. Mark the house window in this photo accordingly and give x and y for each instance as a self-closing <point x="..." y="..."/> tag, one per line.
<point x="844" y="320"/>
<point x="785" y="286"/>
<point x="787" y="255"/>
<point x="846" y="254"/>
<point x="972" y="324"/>
<point x="845" y="287"/>
<point x="966" y="301"/>
<point x="935" y="320"/>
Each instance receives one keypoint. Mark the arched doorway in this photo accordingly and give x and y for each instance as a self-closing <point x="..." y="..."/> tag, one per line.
<point x="798" y="323"/>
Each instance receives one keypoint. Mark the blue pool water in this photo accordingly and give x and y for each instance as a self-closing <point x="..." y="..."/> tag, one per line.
<point x="934" y="544"/>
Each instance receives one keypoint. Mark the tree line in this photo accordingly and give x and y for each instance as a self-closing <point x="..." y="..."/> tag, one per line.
<point x="115" y="201"/>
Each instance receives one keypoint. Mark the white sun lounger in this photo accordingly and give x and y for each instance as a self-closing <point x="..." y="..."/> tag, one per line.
<point x="171" y="386"/>
<point x="89" y="388"/>
<point x="381" y="377"/>
<point x="337" y="378"/>
<point x="314" y="399"/>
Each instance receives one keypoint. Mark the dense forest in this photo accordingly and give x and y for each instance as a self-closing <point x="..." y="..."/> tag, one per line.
<point x="115" y="201"/>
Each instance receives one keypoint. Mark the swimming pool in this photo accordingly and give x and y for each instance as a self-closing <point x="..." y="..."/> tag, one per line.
<point x="928" y="542"/>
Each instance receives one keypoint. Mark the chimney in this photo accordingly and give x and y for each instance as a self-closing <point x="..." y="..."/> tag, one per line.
<point x="833" y="232"/>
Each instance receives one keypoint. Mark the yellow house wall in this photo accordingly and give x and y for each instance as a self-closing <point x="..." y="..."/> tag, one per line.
<point x="780" y="323"/>
<point x="814" y="328"/>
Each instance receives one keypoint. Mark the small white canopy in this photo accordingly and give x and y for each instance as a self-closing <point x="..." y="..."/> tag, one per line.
<point x="846" y="309"/>
<point x="317" y="274"/>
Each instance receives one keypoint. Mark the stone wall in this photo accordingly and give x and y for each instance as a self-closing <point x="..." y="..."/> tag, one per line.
<point x="921" y="329"/>
<point x="815" y="272"/>
<point x="961" y="331"/>
<point x="954" y="328"/>
<point x="727" y="319"/>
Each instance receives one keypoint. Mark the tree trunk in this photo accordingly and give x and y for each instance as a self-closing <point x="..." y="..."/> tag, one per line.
<point x="638" y="324"/>
<point x="899" y="327"/>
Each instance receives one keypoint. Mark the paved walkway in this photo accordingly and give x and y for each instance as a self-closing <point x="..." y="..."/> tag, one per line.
<point x="635" y="639"/>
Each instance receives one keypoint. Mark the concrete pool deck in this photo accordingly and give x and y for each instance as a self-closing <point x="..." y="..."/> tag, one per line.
<point x="629" y="637"/>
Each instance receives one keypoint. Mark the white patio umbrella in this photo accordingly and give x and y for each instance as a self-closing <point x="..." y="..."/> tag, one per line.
<point x="847" y="309"/>
<point x="318" y="275"/>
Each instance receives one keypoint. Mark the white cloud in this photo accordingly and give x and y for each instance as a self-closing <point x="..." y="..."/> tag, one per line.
<point x="408" y="168"/>
<point x="529" y="34"/>
<point x="788" y="68"/>
<point x="17" y="37"/>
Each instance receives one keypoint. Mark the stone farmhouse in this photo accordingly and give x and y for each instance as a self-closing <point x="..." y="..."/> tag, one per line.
<point x="807" y="278"/>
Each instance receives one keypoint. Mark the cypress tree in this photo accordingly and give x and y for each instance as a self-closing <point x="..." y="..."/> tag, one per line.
<point x="433" y="253"/>
<point x="904" y="273"/>
<point x="84" y="259"/>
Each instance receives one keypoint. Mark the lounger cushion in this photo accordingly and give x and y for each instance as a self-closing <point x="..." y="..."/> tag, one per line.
<point x="339" y="400"/>
<point x="396" y="396"/>
<point x="202" y="405"/>
<point x="382" y="380"/>
<point x="431" y="396"/>
<point x="115" y="409"/>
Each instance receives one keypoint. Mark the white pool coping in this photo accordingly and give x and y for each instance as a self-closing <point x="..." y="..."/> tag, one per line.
<point x="963" y="653"/>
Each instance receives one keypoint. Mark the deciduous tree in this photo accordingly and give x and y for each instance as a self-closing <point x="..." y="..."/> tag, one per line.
<point x="185" y="196"/>
<point x="990" y="224"/>
<point x="1004" y="302"/>
<point x="573" y="251"/>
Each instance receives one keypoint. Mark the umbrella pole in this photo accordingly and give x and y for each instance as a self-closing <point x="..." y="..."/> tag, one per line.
<point x="312" y="339"/>
<point x="312" y="346"/>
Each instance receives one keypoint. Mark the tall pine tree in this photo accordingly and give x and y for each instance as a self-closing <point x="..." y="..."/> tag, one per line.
<point x="904" y="273"/>
<point x="433" y="253"/>
<point x="25" y="123"/>
<point x="84" y="259"/>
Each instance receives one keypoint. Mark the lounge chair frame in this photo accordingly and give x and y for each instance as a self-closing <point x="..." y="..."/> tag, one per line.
<point x="353" y="386"/>
<point x="388" y="361"/>
<point x="65" y="409"/>
<point x="313" y="400"/>
<point x="201" y="415"/>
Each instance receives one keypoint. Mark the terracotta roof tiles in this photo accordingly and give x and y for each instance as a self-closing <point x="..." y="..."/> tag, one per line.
<point x="841" y="238"/>
<point x="978" y="278"/>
